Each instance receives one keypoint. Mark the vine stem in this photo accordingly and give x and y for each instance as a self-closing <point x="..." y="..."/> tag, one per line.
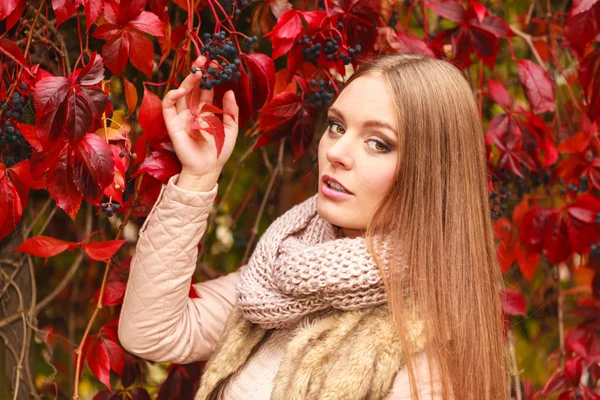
<point x="263" y="204"/>
<point x="26" y="52"/>
<point x="515" y="366"/>
<point x="79" y="349"/>
<point x="527" y="38"/>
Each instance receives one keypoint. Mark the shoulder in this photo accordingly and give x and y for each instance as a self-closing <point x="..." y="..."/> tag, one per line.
<point x="401" y="386"/>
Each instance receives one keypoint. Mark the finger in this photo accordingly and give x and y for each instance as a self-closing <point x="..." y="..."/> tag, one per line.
<point x="168" y="103"/>
<point x="208" y="96"/>
<point x="189" y="83"/>
<point x="230" y="107"/>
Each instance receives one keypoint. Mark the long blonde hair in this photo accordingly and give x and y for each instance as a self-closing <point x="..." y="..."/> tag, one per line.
<point x="438" y="218"/>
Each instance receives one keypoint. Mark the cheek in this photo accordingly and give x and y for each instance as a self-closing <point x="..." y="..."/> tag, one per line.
<point x="378" y="180"/>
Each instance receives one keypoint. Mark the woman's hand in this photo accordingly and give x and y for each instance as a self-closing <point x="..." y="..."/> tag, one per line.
<point x="198" y="158"/>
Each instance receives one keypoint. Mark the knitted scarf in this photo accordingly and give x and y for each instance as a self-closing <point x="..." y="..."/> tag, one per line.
<point x="301" y="265"/>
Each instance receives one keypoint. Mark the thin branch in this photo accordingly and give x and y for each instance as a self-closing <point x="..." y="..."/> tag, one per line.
<point x="52" y="27"/>
<point x="32" y="318"/>
<point x="24" y="344"/>
<point x="41" y="212"/>
<point x="138" y="184"/>
<point x="527" y="38"/>
<point x="529" y="12"/>
<point x="561" y="323"/>
<point x="62" y="284"/>
<point x="263" y="204"/>
<point x="515" y="367"/>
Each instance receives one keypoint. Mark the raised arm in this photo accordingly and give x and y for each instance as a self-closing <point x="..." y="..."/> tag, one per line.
<point x="159" y="321"/>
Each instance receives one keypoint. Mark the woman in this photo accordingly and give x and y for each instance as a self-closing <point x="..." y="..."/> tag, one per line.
<point x="402" y="195"/>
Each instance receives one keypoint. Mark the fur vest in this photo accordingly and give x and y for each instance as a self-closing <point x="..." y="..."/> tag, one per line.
<point x="338" y="355"/>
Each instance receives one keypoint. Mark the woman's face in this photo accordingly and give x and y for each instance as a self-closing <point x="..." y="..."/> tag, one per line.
<point x="359" y="152"/>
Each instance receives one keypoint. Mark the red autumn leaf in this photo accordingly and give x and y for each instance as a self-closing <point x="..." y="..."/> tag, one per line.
<point x="262" y="72"/>
<point x="160" y="165"/>
<point x="450" y="10"/>
<point x="499" y="94"/>
<point x="14" y="186"/>
<point x="473" y="34"/>
<point x="527" y="261"/>
<point x="151" y="117"/>
<point x="7" y="7"/>
<point x="69" y="104"/>
<point x="93" y="165"/>
<point x="114" y="292"/>
<point x="538" y="86"/>
<point x="581" y="222"/>
<point x="30" y="134"/>
<point x="15" y="15"/>
<point x="400" y="42"/>
<point x="513" y="302"/>
<point x="103" y="355"/>
<point x="280" y="110"/>
<point x="580" y="6"/>
<point x="193" y="294"/>
<point x="180" y="382"/>
<point x="124" y="31"/>
<point x="479" y="9"/>
<point x="284" y="33"/>
<point x="359" y="18"/>
<point x="573" y="370"/>
<point x="91" y="74"/>
<point x="12" y="51"/>
<point x="60" y="181"/>
<point x="557" y="246"/>
<point x="589" y="77"/>
<point x="532" y="228"/>
<point x="43" y="246"/>
<point x="64" y="9"/>
<point x="302" y="134"/>
<point x="93" y="9"/>
<point x="555" y="383"/>
<point x="577" y="340"/>
<point x="131" y="96"/>
<point x="581" y="25"/>
<point x="102" y="251"/>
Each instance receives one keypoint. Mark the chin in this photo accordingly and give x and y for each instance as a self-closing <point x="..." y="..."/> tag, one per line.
<point x="326" y="212"/>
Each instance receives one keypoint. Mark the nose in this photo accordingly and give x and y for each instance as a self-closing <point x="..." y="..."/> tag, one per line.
<point x="340" y="152"/>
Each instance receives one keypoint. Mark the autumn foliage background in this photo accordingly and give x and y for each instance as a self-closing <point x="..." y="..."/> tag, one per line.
<point x="84" y="152"/>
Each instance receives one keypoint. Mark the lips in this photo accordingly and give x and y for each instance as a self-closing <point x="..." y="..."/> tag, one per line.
<point x="330" y="178"/>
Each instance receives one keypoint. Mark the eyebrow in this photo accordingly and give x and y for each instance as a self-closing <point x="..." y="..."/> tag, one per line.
<point x="368" y="124"/>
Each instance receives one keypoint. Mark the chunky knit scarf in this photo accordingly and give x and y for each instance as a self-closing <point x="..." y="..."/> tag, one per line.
<point x="301" y="265"/>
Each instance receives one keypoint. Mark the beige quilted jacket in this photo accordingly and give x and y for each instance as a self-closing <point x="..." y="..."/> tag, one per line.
<point x="159" y="321"/>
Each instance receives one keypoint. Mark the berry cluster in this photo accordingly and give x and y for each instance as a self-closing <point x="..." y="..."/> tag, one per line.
<point x="582" y="187"/>
<point x="323" y="95"/>
<point x="393" y="20"/>
<point x="13" y="146"/>
<point x="312" y="51"/>
<point x="498" y="202"/>
<point x="110" y="208"/>
<point x="217" y="45"/>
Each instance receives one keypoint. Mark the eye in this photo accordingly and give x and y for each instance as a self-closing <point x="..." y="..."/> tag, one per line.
<point x="383" y="147"/>
<point x="331" y="122"/>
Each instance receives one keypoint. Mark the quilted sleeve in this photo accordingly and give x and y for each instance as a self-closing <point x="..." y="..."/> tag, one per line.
<point x="159" y="321"/>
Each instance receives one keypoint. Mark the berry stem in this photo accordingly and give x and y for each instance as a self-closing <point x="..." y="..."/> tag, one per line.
<point x="25" y="53"/>
<point x="237" y="43"/>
